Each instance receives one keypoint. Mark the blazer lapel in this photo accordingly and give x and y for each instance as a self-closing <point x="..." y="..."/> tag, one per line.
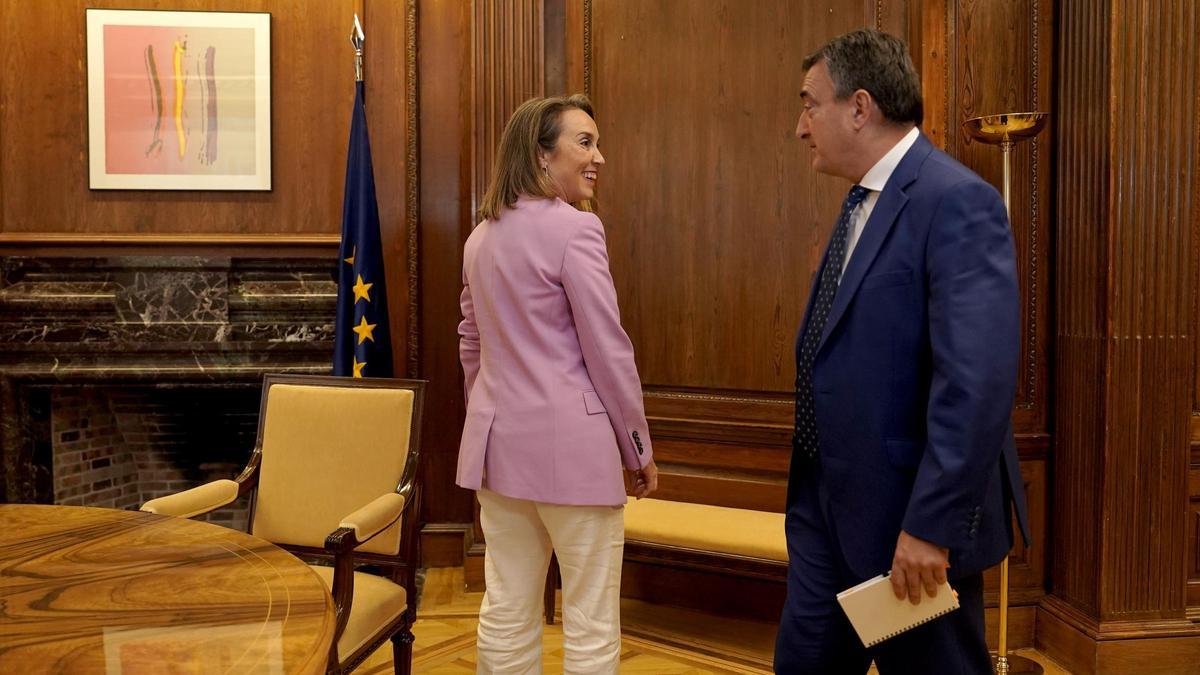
<point x="875" y="231"/>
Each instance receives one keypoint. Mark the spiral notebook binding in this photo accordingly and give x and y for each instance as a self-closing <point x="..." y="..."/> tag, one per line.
<point x="911" y="626"/>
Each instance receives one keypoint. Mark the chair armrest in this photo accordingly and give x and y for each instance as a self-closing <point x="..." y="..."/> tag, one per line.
<point x="195" y="501"/>
<point x="376" y="516"/>
<point x="354" y="530"/>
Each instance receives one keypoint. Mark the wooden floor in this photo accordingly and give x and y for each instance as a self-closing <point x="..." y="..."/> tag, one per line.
<point x="655" y="639"/>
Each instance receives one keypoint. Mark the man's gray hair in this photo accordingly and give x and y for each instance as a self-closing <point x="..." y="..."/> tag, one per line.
<point x="877" y="63"/>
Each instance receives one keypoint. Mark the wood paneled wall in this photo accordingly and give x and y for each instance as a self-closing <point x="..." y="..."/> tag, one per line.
<point x="46" y="207"/>
<point x="1128" y="239"/>
<point x="44" y="81"/>
<point x="715" y="219"/>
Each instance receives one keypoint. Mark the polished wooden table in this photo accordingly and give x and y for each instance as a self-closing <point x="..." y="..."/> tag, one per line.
<point x="86" y="590"/>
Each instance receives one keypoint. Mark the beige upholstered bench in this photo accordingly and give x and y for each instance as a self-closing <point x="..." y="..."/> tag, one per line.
<point x="741" y="534"/>
<point x="710" y="539"/>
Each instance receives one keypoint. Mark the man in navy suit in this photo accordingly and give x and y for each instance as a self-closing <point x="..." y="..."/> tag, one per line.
<point x="903" y="456"/>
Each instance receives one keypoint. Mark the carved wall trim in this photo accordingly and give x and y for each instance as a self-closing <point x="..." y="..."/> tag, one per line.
<point x="412" y="185"/>
<point x="587" y="47"/>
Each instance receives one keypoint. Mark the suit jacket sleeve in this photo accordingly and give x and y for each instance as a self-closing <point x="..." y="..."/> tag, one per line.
<point x="468" y="339"/>
<point x="607" y="351"/>
<point x="974" y="332"/>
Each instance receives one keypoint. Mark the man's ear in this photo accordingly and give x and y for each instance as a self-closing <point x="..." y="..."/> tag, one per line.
<point x="864" y="108"/>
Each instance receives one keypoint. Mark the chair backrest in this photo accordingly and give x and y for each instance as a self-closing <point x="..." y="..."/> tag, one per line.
<point x="329" y="446"/>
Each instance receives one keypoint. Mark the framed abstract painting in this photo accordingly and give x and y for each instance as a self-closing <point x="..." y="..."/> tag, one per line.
<point x="179" y="100"/>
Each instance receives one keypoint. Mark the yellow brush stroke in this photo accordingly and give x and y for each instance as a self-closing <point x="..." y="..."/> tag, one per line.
<point x="178" y="62"/>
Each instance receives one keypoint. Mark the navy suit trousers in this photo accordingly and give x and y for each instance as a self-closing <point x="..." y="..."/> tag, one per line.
<point x="815" y="637"/>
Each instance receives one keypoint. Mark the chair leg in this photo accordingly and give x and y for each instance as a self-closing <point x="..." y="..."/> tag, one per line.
<point x="402" y="643"/>
<point x="333" y="667"/>
<point x="551" y="586"/>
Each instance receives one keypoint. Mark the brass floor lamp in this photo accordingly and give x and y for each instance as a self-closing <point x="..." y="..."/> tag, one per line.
<point x="1006" y="130"/>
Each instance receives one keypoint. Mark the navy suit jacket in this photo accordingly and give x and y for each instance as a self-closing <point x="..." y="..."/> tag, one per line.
<point x="915" y="374"/>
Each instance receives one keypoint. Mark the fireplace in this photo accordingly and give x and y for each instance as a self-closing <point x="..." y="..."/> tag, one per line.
<point x="118" y="447"/>
<point x="125" y="379"/>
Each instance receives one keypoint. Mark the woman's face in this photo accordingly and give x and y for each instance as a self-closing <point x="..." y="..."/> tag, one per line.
<point x="575" y="161"/>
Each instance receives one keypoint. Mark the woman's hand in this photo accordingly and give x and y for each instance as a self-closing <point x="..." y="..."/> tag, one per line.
<point x="643" y="481"/>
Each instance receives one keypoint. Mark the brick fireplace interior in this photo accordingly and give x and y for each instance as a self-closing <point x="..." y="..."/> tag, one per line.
<point x="118" y="447"/>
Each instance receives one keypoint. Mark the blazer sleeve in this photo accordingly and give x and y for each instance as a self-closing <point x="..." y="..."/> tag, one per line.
<point x="974" y="333"/>
<point x="607" y="351"/>
<point x="468" y="339"/>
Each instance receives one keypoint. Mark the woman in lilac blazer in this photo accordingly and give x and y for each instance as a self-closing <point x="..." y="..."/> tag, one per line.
<point x="554" y="403"/>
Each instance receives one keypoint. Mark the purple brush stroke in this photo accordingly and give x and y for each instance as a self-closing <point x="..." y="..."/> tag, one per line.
<point x="210" y="57"/>
<point x="155" y="99"/>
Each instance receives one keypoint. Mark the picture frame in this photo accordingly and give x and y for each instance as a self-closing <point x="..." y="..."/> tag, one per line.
<point x="178" y="100"/>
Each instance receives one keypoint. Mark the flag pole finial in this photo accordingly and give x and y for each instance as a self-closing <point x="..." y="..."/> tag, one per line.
<point x="358" y="40"/>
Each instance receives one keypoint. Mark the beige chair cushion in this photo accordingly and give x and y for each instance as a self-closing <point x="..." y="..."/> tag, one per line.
<point x="757" y="534"/>
<point x="377" y="602"/>
<point x="327" y="452"/>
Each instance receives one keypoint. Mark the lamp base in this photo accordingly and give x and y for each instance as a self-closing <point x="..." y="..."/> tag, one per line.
<point x="1015" y="664"/>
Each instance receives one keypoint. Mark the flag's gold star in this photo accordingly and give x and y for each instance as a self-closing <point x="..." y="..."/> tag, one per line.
<point x="363" y="329"/>
<point x="358" y="367"/>
<point x="362" y="291"/>
<point x="353" y="252"/>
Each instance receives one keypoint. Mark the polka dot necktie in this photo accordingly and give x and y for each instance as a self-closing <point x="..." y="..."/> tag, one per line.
<point x="805" y="442"/>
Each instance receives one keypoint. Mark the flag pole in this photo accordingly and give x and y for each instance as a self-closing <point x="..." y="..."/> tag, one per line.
<point x="358" y="40"/>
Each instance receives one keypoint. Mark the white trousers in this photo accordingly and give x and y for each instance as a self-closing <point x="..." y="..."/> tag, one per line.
<point x="589" y="542"/>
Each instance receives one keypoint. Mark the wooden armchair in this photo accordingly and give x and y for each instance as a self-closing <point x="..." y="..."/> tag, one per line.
<point x="334" y="476"/>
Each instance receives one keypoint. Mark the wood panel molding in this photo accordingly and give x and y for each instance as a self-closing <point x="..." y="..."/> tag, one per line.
<point x="54" y="244"/>
<point x="1072" y="640"/>
<point x="412" y="190"/>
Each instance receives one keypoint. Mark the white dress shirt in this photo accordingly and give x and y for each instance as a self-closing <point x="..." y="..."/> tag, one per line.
<point x="875" y="180"/>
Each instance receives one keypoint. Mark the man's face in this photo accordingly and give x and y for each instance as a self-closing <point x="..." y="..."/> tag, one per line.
<point x="826" y="124"/>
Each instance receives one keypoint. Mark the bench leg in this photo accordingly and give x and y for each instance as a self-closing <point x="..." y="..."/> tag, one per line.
<point x="551" y="586"/>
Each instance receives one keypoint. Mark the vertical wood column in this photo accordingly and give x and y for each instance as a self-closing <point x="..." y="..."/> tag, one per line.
<point x="1127" y="245"/>
<point x="478" y="61"/>
<point x="509" y="69"/>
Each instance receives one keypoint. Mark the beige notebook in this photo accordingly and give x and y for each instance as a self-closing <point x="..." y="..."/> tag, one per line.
<point x="877" y="615"/>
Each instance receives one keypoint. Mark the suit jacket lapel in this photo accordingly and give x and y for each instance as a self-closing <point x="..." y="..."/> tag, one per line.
<point x="875" y="231"/>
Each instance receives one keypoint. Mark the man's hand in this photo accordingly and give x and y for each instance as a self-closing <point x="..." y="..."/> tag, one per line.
<point x="643" y="481"/>
<point x="918" y="563"/>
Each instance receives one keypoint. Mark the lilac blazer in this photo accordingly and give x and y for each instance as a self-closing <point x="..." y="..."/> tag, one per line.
<point x="554" y="403"/>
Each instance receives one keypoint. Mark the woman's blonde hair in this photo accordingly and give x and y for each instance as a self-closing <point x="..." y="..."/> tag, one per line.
<point x="517" y="170"/>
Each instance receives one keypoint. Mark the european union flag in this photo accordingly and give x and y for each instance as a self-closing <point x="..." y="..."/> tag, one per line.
<point x="361" y="347"/>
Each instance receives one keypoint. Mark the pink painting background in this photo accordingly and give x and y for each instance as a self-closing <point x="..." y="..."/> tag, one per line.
<point x="129" y="106"/>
